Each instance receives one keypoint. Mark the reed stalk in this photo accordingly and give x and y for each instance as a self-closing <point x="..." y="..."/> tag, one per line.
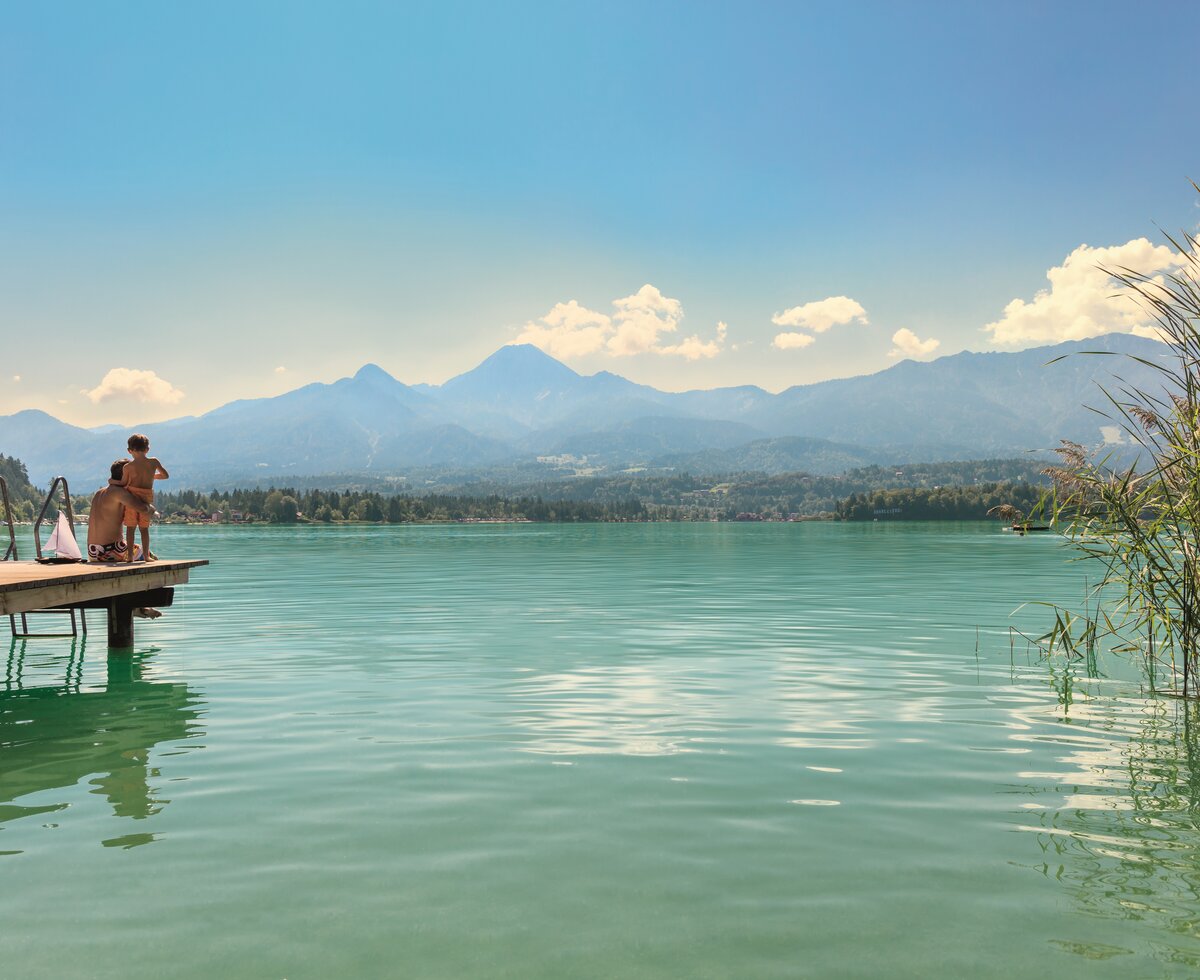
<point x="1135" y="510"/>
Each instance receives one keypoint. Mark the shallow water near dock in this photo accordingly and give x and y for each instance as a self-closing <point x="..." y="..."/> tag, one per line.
<point x="670" y="750"/>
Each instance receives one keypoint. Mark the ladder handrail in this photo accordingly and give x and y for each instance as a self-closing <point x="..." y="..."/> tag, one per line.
<point x="11" y="550"/>
<point x="37" y="526"/>
<point x="24" y="633"/>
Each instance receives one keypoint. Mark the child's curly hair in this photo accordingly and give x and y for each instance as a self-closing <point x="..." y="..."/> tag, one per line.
<point x="139" y="442"/>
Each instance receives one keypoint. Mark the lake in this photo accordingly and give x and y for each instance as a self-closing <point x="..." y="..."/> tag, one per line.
<point x="673" y="750"/>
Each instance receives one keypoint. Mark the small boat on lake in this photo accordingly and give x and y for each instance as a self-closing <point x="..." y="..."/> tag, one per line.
<point x="1020" y="523"/>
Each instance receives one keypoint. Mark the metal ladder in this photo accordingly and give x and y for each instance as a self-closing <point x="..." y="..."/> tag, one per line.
<point x="11" y="554"/>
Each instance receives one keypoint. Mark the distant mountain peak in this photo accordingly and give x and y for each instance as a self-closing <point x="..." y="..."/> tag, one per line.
<point x="516" y="366"/>
<point x="523" y="350"/>
<point x="372" y="372"/>
<point x="528" y="356"/>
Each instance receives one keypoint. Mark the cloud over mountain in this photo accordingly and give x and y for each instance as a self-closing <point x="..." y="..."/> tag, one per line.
<point x="640" y="324"/>
<point x="129" y="384"/>
<point x="568" y="330"/>
<point x="1080" y="301"/>
<point x="792" y="341"/>
<point x="908" y="344"/>
<point x="818" y="316"/>
<point x="640" y="318"/>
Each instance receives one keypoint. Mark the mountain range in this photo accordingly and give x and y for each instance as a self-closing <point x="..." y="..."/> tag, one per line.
<point x="521" y="406"/>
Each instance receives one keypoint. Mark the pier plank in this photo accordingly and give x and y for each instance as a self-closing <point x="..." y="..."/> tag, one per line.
<point x="26" y="585"/>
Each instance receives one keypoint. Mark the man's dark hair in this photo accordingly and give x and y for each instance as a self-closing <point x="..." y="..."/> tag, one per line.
<point x="139" y="442"/>
<point x="118" y="468"/>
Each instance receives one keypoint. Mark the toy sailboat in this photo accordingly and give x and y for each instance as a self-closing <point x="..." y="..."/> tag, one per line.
<point x="62" y="540"/>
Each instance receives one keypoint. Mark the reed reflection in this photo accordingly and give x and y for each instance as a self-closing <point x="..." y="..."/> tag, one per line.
<point x="54" y="735"/>
<point x="1120" y="827"/>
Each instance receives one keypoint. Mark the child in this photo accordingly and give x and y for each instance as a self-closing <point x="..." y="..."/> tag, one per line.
<point x="138" y="478"/>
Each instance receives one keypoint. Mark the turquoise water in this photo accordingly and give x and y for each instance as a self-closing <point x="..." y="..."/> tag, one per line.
<point x="609" y="750"/>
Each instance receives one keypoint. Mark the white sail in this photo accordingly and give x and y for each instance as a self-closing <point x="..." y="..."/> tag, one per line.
<point x="62" y="539"/>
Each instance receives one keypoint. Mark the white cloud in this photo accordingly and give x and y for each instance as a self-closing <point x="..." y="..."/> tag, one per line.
<point x="568" y="330"/>
<point x="819" y="316"/>
<point x="639" y="325"/>
<point x="280" y="370"/>
<point x="639" y="320"/>
<point x="792" y="341"/>
<point x="1082" y="300"/>
<point x="908" y="344"/>
<point x="134" y="385"/>
<point x="693" y="348"/>
<point x="16" y="377"/>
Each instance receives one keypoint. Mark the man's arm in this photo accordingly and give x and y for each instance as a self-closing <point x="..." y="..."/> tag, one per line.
<point x="129" y="500"/>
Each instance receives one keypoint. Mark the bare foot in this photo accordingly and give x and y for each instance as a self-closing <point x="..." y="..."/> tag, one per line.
<point x="146" y="612"/>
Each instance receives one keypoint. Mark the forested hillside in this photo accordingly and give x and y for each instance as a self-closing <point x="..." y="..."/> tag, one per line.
<point x="939" y="504"/>
<point x="22" y="494"/>
<point x="959" y="489"/>
<point x="289" y="506"/>
<point x="780" y="495"/>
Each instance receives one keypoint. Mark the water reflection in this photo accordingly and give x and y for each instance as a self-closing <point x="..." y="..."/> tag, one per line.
<point x="625" y="710"/>
<point x="1117" y="824"/>
<point x="54" y="735"/>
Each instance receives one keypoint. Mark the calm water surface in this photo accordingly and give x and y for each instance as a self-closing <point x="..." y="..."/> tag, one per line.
<point x="538" y="751"/>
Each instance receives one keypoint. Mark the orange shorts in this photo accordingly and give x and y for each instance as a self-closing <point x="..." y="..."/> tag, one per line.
<point x="135" y="518"/>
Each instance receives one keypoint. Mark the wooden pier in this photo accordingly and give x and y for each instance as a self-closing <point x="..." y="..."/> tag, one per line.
<point x="118" y="588"/>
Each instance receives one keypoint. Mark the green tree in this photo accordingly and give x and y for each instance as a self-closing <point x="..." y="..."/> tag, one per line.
<point x="288" y="510"/>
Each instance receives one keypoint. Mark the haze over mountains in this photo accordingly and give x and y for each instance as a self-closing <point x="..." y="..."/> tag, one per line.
<point x="521" y="406"/>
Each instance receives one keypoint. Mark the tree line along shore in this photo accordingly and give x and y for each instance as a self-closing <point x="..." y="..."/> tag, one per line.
<point x="938" y="491"/>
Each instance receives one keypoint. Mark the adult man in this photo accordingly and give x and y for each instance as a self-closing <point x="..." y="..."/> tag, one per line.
<point x="106" y="538"/>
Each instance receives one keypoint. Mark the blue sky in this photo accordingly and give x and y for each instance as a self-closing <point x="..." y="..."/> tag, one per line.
<point x="199" y="196"/>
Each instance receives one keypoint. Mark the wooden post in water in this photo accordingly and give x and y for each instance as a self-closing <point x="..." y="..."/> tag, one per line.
<point x="120" y="623"/>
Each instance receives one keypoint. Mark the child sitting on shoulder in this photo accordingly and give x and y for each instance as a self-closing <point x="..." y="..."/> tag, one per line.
<point x="138" y="478"/>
